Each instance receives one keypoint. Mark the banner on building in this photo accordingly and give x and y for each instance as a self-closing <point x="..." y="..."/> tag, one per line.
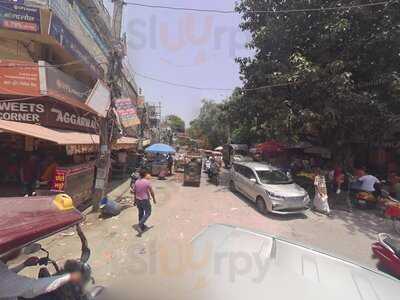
<point x="19" y="78"/>
<point x="59" y="85"/>
<point x="74" y="18"/>
<point x="62" y="86"/>
<point x="19" y="17"/>
<point x="49" y="114"/>
<point x="66" y="39"/>
<point x="127" y="113"/>
<point x="99" y="99"/>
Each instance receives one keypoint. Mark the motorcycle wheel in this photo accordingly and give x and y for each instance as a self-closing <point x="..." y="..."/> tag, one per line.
<point x="396" y="225"/>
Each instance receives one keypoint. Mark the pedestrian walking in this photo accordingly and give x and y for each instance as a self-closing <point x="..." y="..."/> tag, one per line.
<point x="143" y="191"/>
<point x="321" y="194"/>
<point x="338" y="178"/>
<point x="170" y="161"/>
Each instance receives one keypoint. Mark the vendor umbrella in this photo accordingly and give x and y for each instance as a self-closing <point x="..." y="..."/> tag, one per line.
<point x="220" y="148"/>
<point x="271" y="147"/>
<point x="160" y="148"/>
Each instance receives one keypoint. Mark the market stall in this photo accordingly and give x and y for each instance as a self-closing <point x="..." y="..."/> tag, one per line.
<point x="157" y="158"/>
<point x="192" y="172"/>
<point x="76" y="181"/>
<point x="41" y="160"/>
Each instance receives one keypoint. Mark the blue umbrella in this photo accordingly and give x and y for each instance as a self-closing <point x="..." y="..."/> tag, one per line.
<point x="160" y="148"/>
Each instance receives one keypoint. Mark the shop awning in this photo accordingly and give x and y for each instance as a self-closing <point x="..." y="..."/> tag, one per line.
<point x="58" y="136"/>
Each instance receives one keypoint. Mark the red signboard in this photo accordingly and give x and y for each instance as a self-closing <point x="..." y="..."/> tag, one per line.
<point x="19" y="78"/>
<point x="76" y="181"/>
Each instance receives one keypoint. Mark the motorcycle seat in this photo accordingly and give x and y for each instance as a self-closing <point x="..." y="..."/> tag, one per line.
<point x="394" y="244"/>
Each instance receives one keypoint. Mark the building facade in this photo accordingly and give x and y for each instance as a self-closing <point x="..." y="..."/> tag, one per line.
<point x="53" y="91"/>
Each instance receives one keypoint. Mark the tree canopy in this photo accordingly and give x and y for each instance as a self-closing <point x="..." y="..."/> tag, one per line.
<point x="336" y="73"/>
<point x="209" y="125"/>
<point x="175" y="123"/>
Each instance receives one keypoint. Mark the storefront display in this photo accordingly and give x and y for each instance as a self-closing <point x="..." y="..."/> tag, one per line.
<point x="76" y="181"/>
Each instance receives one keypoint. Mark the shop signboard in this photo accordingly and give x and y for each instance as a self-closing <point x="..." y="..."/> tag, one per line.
<point x="76" y="21"/>
<point x="19" y="78"/>
<point x="127" y="113"/>
<point x="14" y="1"/>
<point x="92" y="34"/>
<point x="99" y="99"/>
<point x="76" y="181"/>
<point x="67" y="40"/>
<point x="49" y="114"/>
<point x="63" y="87"/>
<point x="19" y="17"/>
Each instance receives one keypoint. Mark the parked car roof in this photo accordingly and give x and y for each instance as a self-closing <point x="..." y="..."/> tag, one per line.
<point x="289" y="271"/>
<point x="256" y="165"/>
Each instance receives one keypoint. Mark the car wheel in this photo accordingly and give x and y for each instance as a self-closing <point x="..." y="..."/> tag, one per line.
<point x="232" y="186"/>
<point x="260" y="203"/>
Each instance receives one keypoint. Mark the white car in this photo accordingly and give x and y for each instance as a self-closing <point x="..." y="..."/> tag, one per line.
<point x="244" y="264"/>
<point x="271" y="189"/>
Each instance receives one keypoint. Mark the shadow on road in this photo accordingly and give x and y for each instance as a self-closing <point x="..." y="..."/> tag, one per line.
<point x="364" y="221"/>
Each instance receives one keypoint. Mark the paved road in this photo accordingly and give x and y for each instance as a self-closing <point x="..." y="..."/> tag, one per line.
<point x="182" y="212"/>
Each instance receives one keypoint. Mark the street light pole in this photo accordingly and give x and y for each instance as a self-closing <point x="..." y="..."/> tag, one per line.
<point x="108" y="132"/>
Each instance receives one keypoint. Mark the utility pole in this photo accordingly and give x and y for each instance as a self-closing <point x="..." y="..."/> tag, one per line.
<point x="108" y="125"/>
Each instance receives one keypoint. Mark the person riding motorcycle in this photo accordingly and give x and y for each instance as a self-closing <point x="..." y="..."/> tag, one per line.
<point x="213" y="172"/>
<point x="366" y="187"/>
<point x="14" y="286"/>
<point x="207" y="164"/>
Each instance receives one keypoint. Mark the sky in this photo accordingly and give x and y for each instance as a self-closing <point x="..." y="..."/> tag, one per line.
<point x="196" y="49"/>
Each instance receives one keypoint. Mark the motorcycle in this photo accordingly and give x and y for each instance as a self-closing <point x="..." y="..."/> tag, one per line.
<point x="48" y="216"/>
<point x="207" y="166"/>
<point x="370" y="199"/>
<point x="387" y="250"/>
<point x="213" y="175"/>
<point x="392" y="212"/>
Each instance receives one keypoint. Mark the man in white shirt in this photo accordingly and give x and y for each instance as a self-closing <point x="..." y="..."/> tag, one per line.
<point x="13" y="285"/>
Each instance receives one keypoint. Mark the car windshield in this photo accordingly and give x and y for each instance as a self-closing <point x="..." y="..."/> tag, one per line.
<point x="274" y="177"/>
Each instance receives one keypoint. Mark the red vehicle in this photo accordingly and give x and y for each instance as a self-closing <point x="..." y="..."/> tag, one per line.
<point x="387" y="250"/>
<point x="25" y="221"/>
<point x="392" y="212"/>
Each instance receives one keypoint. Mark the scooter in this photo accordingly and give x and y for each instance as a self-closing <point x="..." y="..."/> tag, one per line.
<point x="387" y="250"/>
<point x="207" y="166"/>
<point x="392" y="212"/>
<point x="47" y="216"/>
<point x="71" y="291"/>
<point x="213" y="175"/>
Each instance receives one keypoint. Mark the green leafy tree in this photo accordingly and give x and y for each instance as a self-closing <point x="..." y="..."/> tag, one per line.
<point x="209" y="125"/>
<point x="336" y="73"/>
<point x="175" y="123"/>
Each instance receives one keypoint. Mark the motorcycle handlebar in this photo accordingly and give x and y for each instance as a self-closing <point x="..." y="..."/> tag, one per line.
<point x="85" y="255"/>
<point x="44" y="261"/>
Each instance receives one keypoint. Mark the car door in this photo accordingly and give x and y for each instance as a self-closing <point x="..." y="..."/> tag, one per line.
<point x="253" y="187"/>
<point x="248" y="185"/>
<point x="239" y="178"/>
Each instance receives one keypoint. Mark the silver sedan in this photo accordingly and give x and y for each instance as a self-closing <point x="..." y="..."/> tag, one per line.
<point x="271" y="189"/>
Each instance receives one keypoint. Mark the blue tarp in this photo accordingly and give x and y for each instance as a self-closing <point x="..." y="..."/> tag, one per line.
<point x="160" y="148"/>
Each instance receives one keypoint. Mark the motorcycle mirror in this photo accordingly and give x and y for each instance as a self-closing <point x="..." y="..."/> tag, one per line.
<point x="32" y="248"/>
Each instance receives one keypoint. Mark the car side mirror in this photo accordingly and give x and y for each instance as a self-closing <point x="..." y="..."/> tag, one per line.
<point x="32" y="248"/>
<point x="253" y="180"/>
